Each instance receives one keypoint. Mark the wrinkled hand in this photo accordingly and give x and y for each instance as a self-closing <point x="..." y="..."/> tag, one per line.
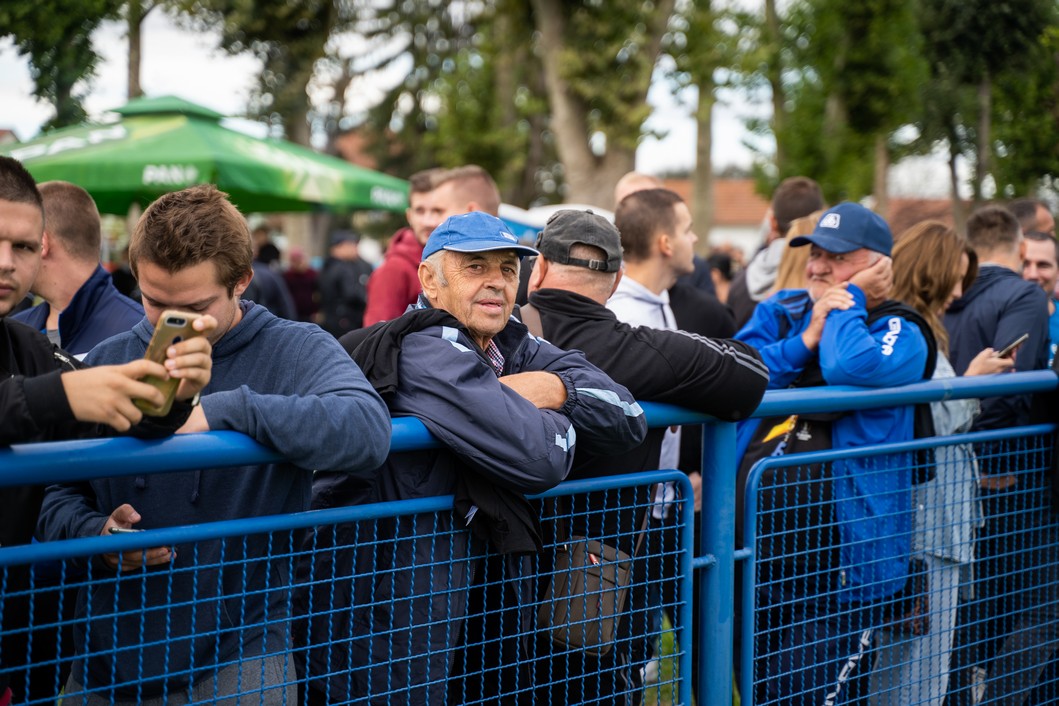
<point x="876" y="281"/>
<point x="545" y="390"/>
<point x="104" y="395"/>
<point x="987" y="363"/>
<point x="125" y="516"/>
<point x="837" y="297"/>
<point x="191" y="359"/>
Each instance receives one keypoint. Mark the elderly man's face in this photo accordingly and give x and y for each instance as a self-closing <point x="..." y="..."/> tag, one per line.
<point x="477" y="288"/>
<point x="826" y="269"/>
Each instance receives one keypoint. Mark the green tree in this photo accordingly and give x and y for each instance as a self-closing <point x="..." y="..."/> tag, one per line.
<point x="56" y="37"/>
<point x="289" y="39"/>
<point x="978" y="44"/>
<point x="598" y="60"/>
<point x="703" y="43"/>
<point x="860" y="66"/>
<point x="1026" y="112"/>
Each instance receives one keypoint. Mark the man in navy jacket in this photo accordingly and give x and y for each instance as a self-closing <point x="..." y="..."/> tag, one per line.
<point x="46" y="395"/>
<point x="81" y="305"/>
<point x="1008" y="606"/>
<point x="510" y="410"/>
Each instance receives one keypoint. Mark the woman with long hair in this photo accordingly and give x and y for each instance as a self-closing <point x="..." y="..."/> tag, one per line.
<point x="933" y="265"/>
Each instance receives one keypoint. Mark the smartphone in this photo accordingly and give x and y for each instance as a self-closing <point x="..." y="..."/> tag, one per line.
<point x="172" y="327"/>
<point x="1007" y="350"/>
<point x="123" y="530"/>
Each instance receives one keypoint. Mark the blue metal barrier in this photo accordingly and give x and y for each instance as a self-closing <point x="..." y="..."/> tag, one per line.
<point x="297" y="636"/>
<point x="715" y="561"/>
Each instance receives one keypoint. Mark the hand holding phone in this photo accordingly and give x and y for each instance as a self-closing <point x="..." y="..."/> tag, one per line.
<point x="132" y="559"/>
<point x="172" y="327"/>
<point x="1009" y="350"/>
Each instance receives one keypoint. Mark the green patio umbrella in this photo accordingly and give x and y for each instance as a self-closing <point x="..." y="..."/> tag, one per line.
<point x="165" y="144"/>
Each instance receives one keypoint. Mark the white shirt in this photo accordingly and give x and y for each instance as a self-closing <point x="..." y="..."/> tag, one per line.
<point x="636" y="305"/>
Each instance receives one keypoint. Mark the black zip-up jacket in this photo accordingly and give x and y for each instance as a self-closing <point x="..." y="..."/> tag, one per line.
<point x="33" y="407"/>
<point x="720" y="377"/>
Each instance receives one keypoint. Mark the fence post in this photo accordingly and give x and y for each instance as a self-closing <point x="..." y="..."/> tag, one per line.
<point x="718" y="581"/>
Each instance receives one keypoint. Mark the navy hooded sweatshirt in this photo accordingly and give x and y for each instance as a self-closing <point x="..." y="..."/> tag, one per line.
<point x="289" y="386"/>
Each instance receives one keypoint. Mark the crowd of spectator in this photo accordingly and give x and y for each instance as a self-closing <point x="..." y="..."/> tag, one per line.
<point x="527" y="363"/>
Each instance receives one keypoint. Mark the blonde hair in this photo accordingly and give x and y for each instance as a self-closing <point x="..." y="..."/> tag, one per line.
<point x="926" y="264"/>
<point x="791" y="273"/>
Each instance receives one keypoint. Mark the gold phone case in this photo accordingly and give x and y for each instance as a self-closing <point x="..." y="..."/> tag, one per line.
<point x="173" y="327"/>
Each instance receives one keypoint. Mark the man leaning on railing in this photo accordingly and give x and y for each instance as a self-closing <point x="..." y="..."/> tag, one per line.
<point x="509" y="410"/>
<point x="45" y="395"/>
<point x="838" y="545"/>
<point x="286" y="384"/>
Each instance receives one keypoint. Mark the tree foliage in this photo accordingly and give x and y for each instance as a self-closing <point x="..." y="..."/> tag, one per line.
<point x="850" y="76"/>
<point x="56" y="37"/>
<point x="289" y="38"/>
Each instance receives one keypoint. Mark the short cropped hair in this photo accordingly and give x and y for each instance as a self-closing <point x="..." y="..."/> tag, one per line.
<point x="1025" y="211"/>
<point x="640" y="216"/>
<point x="1042" y="237"/>
<point x="72" y="219"/>
<point x="422" y="182"/>
<point x="993" y="228"/>
<point x="471" y="183"/>
<point x="795" y="197"/>
<point x="17" y="185"/>
<point x="183" y="228"/>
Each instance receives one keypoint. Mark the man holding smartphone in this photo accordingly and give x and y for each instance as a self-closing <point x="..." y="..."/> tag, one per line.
<point x="46" y="395"/>
<point x="288" y="385"/>
<point x="994" y="312"/>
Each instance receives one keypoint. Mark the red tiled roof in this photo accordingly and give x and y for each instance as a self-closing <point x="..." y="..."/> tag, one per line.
<point x="736" y="203"/>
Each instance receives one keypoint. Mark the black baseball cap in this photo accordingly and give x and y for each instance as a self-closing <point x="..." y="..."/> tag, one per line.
<point x="569" y="227"/>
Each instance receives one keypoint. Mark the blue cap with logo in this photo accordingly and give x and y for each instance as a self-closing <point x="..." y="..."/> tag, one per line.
<point x="474" y="232"/>
<point x="848" y="227"/>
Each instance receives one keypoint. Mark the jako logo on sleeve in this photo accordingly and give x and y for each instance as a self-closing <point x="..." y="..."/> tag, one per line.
<point x="891" y="336"/>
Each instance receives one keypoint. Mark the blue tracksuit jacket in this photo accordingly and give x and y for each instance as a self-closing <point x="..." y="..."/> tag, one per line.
<point x="872" y="504"/>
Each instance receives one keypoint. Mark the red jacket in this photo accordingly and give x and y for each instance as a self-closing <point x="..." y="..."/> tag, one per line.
<point x="395" y="283"/>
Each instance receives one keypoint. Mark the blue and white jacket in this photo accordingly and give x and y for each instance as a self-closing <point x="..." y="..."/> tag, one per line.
<point x="430" y="561"/>
<point x="872" y="503"/>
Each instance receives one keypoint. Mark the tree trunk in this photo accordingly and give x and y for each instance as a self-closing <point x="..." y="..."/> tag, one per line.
<point x="508" y="57"/>
<point x="881" y="187"/>
<point x="569" y="120"/>
<point x="135" y="15"/>
<point x="702" y="188"/>
<point x="985" y="123"/>
<point x="774" y="72"/>
<point x="958" y="216"/>
<point x="590" y="178"/>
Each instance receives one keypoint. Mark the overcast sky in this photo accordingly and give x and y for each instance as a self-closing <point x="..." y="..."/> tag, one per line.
<point x="186" y="64"/>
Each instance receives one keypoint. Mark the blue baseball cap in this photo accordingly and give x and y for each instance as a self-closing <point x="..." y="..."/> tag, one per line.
<point x="474" y="232"/>
<point x="848" y="227"/>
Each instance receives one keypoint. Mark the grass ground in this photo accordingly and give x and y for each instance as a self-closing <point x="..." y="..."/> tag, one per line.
<point x="664" y="692"/>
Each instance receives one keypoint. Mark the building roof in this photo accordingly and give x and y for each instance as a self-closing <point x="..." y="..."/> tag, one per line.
<point x="736" y="203"/>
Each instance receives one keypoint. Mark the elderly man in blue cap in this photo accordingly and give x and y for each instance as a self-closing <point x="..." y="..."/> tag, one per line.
<point x="508" y="409"/>
<point x="833" y="540"/>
